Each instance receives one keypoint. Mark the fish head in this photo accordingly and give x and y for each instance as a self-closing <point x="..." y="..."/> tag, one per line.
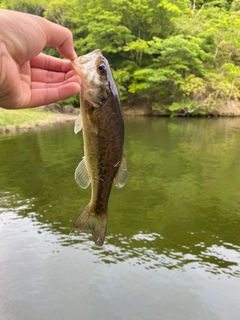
<point x="96" y="77"/>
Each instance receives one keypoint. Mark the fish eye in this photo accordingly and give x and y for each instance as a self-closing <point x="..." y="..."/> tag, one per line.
<point x="101" y="67"/>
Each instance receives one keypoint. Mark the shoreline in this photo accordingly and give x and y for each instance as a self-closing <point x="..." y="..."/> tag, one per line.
<point x="55" y="114"/>
<point x="36" y="127"/>
<point x="14" y="121"/>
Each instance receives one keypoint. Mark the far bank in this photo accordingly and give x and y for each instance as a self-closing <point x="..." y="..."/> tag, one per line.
<point x="37" y="118"/>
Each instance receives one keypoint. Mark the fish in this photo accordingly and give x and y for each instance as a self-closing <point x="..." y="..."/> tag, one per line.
<point x="102" y="126"/>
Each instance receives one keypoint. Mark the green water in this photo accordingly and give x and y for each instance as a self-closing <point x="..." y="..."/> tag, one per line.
<point x="172" y="249"/>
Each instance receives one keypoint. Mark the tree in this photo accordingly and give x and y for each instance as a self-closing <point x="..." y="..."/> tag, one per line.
<point x="178" y="53"/>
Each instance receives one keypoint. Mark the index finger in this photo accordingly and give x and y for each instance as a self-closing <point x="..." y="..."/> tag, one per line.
<point x="45" y="62"/>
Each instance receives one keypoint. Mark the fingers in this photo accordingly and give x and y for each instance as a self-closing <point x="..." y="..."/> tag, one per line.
<point x="52" y="79"/>
<point x="38" y="75"/>
<point x="45" y="62"/>
<point x="40" y="96"/>
<point x="51" y="72"/>
<point x="69" y="77"/>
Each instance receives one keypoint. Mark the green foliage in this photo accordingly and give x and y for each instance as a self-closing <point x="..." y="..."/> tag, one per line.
<point x="235" y="6"/>
<point x="194" y="87"/>
<point x="179" y="53"/>
<point x="174" y="60"/>
<point x="56" y="11"/>
<point x="30" y="6"/>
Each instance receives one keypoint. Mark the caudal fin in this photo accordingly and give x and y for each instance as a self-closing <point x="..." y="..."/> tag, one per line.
<point x="87" y="222"/>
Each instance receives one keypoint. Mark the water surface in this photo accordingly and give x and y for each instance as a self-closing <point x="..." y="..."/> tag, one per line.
<point x="172" y="249"/>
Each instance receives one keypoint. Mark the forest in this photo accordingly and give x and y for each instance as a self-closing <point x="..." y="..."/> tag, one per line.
<point x="175" y="57"/>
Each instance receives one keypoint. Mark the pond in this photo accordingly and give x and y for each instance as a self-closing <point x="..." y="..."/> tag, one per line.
<point x="172" y="249"/>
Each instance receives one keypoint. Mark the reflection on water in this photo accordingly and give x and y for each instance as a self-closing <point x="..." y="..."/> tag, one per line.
<point x="177" y="218"/>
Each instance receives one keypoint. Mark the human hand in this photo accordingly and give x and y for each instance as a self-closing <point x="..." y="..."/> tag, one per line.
<point x="29" y="78"/>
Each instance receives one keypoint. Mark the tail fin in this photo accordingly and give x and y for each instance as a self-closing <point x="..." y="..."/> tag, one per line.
<point x="87" y="222"/>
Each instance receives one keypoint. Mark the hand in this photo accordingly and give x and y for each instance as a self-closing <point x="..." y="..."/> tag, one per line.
<point x="29" y="78"/>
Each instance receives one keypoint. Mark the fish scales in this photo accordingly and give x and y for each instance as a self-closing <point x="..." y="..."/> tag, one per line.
<point x="103" y="151"/>
<point x="103" y="136"/>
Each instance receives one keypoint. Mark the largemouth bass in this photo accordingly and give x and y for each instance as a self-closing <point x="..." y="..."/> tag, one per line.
<point x="102" y="126"/>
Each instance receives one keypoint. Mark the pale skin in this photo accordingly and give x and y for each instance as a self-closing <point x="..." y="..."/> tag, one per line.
<point x="29" y="78"/>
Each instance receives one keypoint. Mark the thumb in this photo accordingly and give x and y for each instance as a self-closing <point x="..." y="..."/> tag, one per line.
<point x="60" y="38"/>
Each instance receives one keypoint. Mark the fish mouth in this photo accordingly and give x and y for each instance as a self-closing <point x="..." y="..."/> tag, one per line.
<point x="85" y="59"/>
<point x="85" y="63"/>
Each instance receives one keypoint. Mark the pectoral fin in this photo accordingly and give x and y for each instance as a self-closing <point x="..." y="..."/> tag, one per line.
<point x="122" y="174"/>
<point x="81" y="174"/>
<point x="78" y="124"/>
